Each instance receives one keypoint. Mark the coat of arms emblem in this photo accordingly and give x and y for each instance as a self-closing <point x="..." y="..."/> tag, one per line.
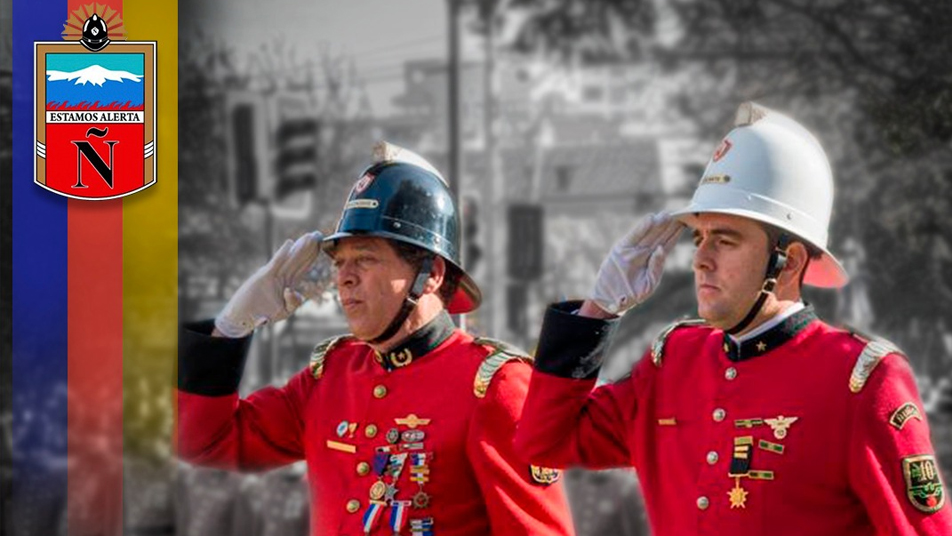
<point x="94" y="121"/>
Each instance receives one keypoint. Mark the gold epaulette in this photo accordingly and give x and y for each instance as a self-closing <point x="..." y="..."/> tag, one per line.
<point x="501" y="354"/>
<point x="657" y="347"/>
<point x="319" y="353"/>
<point x="875" y="350"/>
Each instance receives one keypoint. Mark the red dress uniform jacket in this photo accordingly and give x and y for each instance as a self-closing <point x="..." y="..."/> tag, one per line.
<point x="419" y="439"/>
<point x="764" y="438"/>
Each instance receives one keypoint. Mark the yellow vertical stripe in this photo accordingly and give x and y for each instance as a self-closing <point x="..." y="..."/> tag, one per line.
<point x="150" y="251"/>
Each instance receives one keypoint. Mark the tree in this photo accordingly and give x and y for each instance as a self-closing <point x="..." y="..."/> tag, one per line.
<point x="582" y="30"/>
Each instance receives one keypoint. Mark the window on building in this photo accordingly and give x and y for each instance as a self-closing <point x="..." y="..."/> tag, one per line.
<point x="563" y="178"/>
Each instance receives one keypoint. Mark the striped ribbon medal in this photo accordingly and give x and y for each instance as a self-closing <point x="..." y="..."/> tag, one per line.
<point x="398" y="515"/>
<point x="372" y="515"/>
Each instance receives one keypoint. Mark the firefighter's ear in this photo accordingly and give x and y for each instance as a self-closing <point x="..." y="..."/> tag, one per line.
<point x="437" y="276"/>
<point x="797" y="259"/>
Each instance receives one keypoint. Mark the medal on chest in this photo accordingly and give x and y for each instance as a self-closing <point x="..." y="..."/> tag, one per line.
<point x="404" y="450"/>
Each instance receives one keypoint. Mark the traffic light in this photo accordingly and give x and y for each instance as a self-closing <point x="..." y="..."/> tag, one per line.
<point x="296" y="140"/>
<point x="246" y="166"/>
<point x="297" y="155"/>
<point x="525" y="241"/>
<point x="247" y="156"/>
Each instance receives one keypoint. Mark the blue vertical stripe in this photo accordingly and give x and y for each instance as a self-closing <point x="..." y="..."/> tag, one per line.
<point x="39" y="282"/>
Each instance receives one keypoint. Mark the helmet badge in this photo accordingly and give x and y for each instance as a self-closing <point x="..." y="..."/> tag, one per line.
<point x="722" y="149"/>
<point x="363" y="183"/>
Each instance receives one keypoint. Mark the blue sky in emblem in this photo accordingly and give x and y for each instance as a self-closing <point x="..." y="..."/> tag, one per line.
<point x="94" y="81"/>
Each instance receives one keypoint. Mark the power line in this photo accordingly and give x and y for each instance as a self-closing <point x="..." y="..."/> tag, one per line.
<point x="397" y="46"/>
<point x="397" y="62"/>
<point x="359" y="80"/>
<point x="394" y="65"/>
<point x="377" y="79"/>
<point x="381" y="67"/>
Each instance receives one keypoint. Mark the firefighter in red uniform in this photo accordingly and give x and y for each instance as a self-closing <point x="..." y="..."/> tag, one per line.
<point x="760" y="418"/>
<point x="407" y="424"/>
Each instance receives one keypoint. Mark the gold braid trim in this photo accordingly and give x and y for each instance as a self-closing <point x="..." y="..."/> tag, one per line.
<point x="501" y="354"/>
<point x="657" y="347"/>
<point x="319" y="353"/>
<point x="875" y="350"/>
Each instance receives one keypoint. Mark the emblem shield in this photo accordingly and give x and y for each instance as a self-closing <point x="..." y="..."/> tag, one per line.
<point x="923" y="484"/>
<point x="94" y="119"/>
<point x="544" y="476"/>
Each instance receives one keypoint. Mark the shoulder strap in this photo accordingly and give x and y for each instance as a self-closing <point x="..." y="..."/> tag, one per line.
<point x="657" y="347"/>
<point x="319" y="353"/>
<point x="875" y="350"/>
<point x="502" y="353"/>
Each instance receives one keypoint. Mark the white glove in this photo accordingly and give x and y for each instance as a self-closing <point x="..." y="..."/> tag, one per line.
<point x="269" y="295"/>
<point x="634" y="266"/>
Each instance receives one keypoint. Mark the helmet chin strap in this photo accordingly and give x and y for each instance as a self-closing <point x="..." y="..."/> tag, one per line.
<point x="409" y="302"/>
<point x="778" y="259"/>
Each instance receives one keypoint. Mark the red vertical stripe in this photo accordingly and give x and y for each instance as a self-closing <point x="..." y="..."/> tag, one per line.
<point x="94" y="488"/>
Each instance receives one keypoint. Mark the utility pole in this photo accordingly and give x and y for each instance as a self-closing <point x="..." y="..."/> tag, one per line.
<point x="453" y="149"/>
<point x="495" y="216"/>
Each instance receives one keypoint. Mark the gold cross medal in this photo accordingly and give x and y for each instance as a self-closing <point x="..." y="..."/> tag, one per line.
<point x="737" y="495"/>
<point x="780" y="425"/>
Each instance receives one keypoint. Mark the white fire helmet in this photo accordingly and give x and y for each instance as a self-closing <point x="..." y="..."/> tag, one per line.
<point x="771" y="169"/>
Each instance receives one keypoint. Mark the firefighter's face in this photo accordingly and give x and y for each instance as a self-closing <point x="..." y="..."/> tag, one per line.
<point x="730" y="260"/>
<point x="372" y="281"/>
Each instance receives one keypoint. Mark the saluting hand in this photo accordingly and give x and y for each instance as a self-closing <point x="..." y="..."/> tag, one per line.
<point x="634" y="266"/>
<point x="269" y="295"/>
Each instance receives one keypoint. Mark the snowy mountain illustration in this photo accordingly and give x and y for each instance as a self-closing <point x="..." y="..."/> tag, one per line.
<point x="94" y="74"/>
<point x="93" y="87"/>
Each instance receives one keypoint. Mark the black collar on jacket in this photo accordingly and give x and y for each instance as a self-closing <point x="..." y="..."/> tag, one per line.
<point x="770" y="339"/>
<point x="418" y="344"/>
